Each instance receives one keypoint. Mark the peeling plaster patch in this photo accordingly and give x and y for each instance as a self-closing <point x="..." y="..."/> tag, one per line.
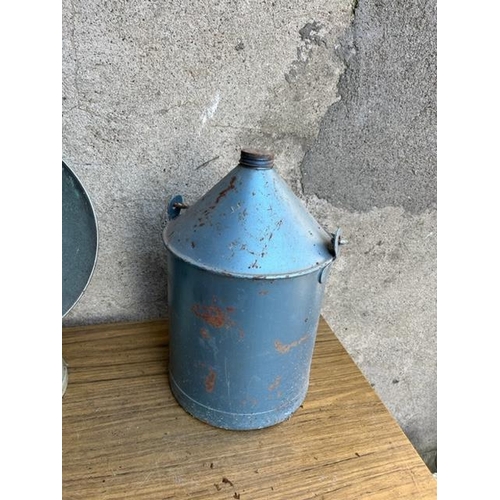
<point x="380" y="138"/>
<point x="299" y="102"/>
<point x="311" y="33"/>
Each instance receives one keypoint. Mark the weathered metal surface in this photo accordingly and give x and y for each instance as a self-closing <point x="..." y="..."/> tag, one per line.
<point x="247" y="266"/>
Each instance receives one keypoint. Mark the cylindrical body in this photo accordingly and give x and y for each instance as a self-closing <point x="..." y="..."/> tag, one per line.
<point x="246" y="273"/>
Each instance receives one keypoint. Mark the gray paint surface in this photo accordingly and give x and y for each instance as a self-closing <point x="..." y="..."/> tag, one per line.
<point x="158" y="98"/>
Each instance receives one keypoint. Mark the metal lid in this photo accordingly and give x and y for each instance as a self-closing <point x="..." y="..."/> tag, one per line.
<point x="250" y="224"/>
<point x="79" y="239"/>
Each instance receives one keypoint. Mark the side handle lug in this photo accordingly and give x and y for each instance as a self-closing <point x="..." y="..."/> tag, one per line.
<point x="336" y="242"/>
<point x="175" y="206"/>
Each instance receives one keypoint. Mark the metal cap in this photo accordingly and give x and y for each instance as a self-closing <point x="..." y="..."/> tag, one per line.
<point x="255" y="158"/>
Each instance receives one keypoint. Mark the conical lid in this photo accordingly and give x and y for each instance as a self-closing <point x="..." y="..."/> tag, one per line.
<point x="250" y="224"/>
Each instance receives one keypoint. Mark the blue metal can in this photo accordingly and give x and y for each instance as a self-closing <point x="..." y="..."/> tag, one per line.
<point x="247" y="266"/>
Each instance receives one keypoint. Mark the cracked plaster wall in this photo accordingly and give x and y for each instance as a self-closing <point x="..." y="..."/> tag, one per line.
<point x="158" y="98"/>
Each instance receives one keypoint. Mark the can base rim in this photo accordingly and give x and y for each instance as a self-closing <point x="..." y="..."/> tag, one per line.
<point x="236" y="421"/>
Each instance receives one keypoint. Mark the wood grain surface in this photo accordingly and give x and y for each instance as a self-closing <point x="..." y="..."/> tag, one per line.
<point x="125" y="436"/>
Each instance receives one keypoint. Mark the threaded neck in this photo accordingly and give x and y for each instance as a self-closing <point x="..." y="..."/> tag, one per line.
<point x="254" y="158"/>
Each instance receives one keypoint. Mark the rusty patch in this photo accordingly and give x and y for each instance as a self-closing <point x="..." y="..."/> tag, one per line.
<point x="210" y="380"/>
<point x="275" y="384"/>
<point x="284" y="348"/>
<point x="213" y="315"/>
<point x="230" y="309"/>
<point x="225" y="191"/>
<point x="204" y="333"/>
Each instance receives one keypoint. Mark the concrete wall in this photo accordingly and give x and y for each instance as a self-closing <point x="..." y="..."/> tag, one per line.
<point x="343" y="93"/>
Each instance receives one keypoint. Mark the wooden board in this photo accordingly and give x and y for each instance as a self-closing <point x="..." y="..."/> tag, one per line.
<point x="125" y="436"/>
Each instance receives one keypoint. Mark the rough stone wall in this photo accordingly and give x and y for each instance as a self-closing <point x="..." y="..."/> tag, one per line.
<point x="158" y="98"/>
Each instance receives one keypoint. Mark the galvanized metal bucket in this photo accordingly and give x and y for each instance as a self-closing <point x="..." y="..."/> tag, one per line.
<point x="247" y="266"/>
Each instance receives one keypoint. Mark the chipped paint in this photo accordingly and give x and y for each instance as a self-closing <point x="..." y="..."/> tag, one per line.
<point x="210" y="380"/>
<point x="284" y="348"/>
<point x="212" y="314"/>
<point x="275" y="384"/>
<point x="225" y="191"/>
